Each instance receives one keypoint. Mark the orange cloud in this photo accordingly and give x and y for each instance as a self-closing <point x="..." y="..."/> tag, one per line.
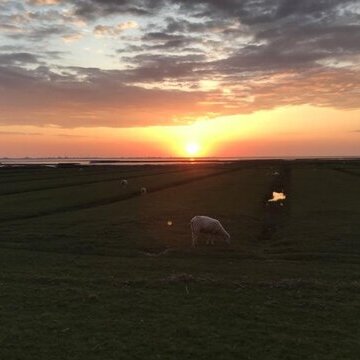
<point x="104" y="30"/>
<point x="44" y="2"/>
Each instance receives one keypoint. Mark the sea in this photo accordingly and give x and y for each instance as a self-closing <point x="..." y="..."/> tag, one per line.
<point x="109" y="161"/>
<point x="93" y="161"/>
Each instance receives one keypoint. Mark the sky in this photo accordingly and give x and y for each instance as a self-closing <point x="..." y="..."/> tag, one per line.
<point x="179" y="78"/>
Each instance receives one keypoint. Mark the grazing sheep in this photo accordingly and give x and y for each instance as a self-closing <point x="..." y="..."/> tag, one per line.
<point x="209" y="226"/>
<point x="124" y="182"/>
<point x="143" y="190"/>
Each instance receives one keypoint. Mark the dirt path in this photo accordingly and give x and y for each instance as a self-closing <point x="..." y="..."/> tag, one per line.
<point x="275" y="212"/>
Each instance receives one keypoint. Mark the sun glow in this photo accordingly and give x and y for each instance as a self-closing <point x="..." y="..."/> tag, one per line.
<point x="192" y="148"/>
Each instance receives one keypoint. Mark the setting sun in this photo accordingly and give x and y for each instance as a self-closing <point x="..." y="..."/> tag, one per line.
<point x="192" y="148"/>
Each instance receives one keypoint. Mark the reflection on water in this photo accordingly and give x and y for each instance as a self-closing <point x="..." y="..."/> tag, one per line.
<point x="119" y="161"/>
<point x="277" y="196"/>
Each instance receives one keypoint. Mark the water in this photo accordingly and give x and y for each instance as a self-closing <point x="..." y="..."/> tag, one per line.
<point x="54" y="161"/>
<point x="277" y="196"/>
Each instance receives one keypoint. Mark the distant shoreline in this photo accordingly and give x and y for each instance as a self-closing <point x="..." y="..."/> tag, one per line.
<point x="75" y="162"/>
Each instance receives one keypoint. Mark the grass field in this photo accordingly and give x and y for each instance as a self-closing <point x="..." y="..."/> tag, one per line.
<point x="92" y="270"/>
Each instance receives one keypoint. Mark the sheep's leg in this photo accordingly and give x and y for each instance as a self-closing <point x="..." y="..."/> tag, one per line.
<point x="208" y="241"/>
<point x="194" y="239"/>
<point x="193" y="235"/>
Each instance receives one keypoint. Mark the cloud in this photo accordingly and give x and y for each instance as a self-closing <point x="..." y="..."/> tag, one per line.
<point x="16" y="58"/>
<point x="104" y="30"/>
<point x="19" y="133"/>
<point x="157" y="68"/>
<point x="261" y="12"/>
<point x="100" y="100"/>
<point x="46" y="31"/>
<point x="94" y="97"/>
<point x="187" y="59"/>
<point x="71" y="37"/>
<point x="9" y="28"/>
<point x="71" y="136"/>
<point x="24" y="20"/>
<point x="32" y="24"/>
<point x="91" y="10"/>
<point x="43" y="2"/>
<point x="163" y="40"/>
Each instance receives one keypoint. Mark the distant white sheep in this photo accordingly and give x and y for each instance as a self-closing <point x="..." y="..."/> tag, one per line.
<point x="143" y="190"/>
<point x="123" y="182"/>
<point x="212" y="228"/>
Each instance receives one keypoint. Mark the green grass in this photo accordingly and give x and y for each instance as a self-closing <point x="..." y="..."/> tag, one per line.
<point x="86" y="277"/>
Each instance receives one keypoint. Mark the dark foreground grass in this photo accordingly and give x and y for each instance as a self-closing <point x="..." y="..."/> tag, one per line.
<point x="117" y="282"/>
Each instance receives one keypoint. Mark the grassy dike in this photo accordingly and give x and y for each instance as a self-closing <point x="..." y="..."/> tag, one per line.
<point x="91" y="270"/>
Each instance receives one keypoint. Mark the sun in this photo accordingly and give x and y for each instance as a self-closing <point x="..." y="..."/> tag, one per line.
<point x="192" y="148"/>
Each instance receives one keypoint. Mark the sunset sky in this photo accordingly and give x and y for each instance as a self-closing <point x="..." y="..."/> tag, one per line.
<point x="179" y="78"/>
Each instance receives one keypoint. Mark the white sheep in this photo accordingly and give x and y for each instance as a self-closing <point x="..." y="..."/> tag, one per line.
<point x="212" y="228"/>
<point x="123" y="182"/>
<point x="143" y="190"/>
